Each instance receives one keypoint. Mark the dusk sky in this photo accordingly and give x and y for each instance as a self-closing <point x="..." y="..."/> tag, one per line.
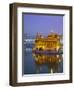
<point x="42" y="23"/>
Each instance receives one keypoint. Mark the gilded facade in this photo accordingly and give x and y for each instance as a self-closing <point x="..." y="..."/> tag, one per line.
<point x="50" y="42"/>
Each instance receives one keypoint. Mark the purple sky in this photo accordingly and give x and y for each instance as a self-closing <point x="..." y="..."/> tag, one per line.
<point x="42" y="23"/>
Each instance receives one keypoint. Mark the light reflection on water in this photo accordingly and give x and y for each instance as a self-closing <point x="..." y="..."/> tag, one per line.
<point x="39" y="63"/>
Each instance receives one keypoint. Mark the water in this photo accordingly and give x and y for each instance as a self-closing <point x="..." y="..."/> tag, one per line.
<point x="31" y="66"/>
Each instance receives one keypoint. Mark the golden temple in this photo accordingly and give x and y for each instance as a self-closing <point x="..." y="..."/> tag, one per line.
<point x="51" y="42"/>
<point x="44" y="44"/>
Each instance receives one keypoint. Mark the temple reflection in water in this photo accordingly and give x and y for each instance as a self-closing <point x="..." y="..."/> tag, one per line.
<point x="51" y="61"/>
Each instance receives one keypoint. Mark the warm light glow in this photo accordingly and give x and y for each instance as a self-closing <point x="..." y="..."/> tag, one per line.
<point x="48" y="44"/>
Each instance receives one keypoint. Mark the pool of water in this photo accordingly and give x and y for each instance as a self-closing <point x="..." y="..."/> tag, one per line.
<point x="30" y="66"/>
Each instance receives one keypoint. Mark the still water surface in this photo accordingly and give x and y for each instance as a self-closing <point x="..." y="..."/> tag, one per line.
<point x="30" y="66"/>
